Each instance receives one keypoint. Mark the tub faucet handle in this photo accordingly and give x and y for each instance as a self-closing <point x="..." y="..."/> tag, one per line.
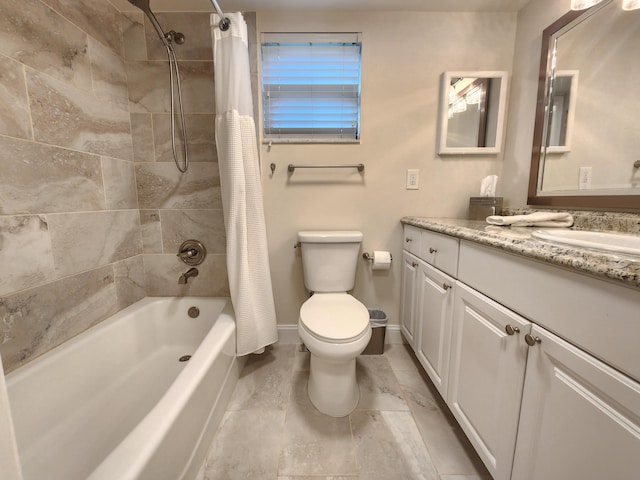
<point x="192" y="252"/>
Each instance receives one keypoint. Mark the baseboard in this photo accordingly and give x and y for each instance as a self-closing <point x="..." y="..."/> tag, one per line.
<point x="288" y="335"/>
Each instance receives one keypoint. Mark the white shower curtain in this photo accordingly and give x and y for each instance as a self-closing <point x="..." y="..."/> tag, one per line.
<point x="247" y="254"/>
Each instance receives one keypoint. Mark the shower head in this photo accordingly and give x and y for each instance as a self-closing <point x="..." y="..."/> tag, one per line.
<point x="144" y="6"/>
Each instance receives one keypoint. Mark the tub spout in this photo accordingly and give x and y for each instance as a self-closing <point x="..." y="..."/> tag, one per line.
<point x="192" y="272"/>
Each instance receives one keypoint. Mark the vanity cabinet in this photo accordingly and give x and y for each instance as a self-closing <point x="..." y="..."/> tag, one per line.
<point x="428" y="327"/>
<point x="410" y="265"/>
<point x="579" y="419"/>
<point x="435" y="294"/>
<point x="540" y="365"/>
<point x="487" y="370"/>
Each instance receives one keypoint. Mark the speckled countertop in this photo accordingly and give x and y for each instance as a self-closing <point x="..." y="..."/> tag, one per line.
<point x="621" y="268"/>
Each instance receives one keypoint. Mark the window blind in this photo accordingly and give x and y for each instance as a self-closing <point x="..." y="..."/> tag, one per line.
<point x="311" y="87"/>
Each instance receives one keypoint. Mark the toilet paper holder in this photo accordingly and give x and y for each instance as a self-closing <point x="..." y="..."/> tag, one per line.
<point x="369" y="256"/>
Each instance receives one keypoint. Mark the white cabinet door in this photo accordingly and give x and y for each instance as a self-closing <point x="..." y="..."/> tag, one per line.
<point x="435" y="293"/>
<point x="407" y="307"/>
<point x="488" y="360"/>
<point x="580" y="419"/>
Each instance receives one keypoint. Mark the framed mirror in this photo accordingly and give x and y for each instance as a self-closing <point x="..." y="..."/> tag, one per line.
<point x="586" y="146"/>
<point x="472" y="111"/>
<point x="562" y="111"/>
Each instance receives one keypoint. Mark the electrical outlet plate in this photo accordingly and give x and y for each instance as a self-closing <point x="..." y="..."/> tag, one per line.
<point x="584" y="178"/>
<point x="413" y="179"/>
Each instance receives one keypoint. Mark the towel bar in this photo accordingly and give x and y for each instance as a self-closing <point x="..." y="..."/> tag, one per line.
<point x="360" y="166"/>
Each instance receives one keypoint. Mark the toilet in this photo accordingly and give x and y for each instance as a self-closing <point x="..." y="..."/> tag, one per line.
<point x="333" y="325"/>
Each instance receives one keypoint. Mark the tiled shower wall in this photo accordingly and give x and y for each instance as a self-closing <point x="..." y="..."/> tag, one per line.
<point x="90" y="215"/>
<point x="173" y="206"/>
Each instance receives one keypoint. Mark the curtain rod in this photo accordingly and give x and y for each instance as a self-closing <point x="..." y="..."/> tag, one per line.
<point x="225" y="23"/>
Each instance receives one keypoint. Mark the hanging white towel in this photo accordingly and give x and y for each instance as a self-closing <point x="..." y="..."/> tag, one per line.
<point x="536" y="219"/>
<point x="247" y="253"/>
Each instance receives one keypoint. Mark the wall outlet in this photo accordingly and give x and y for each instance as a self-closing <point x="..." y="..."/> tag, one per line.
<point x="413" y="179"/>
<point x="584" y="178"/>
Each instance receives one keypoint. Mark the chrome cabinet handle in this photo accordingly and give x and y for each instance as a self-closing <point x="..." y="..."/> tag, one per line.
<point x="446" y="286"/>
<point x="433" y="250"/>
<point x="511" y="330"/>
<point x="531" y="340"/>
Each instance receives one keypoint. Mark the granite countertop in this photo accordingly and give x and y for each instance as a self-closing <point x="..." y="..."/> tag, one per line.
<point x="621" y="268"/>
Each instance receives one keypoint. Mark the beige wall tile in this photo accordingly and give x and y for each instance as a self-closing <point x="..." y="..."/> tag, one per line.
<point x="82" y="241"/>
<point x="14" y="114"/>
<point x="25" y="253"/>
<point x="160" y="185"/>
<point x="129" y="280"/>
<point x="142" y="136"/>
<point x="133" y="36"/>
<point x="149" y="86"/>
<point x="196" y="28"/>
<point x="38" y="178"/>
<point x="151" y="231"/>
<point x="72" y="118"/>
<point x="37" y="320"/>
<point x="200" y="133"/>
<point x="206" y="226"/>
<point x="35" y="35"/>
<point x="119" y="184"/>
<point x="99" y="19"/>
<point x="109" y="74"/>
<point x="162" y="273"/>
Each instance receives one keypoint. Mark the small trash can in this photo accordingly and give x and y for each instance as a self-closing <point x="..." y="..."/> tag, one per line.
<point x="378" y="320"/>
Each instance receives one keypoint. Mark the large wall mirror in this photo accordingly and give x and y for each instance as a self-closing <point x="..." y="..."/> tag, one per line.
<point x="586" y="150"/>
<point x="472" y="106"/>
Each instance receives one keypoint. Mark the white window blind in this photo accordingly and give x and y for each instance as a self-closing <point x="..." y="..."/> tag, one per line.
<point x="311" y="87"/>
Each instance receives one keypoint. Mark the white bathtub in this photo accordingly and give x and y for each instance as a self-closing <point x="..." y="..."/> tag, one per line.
<point x="115" y="402"/>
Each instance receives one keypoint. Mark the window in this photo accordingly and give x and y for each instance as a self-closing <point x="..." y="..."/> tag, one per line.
<point x="311" y="87"/>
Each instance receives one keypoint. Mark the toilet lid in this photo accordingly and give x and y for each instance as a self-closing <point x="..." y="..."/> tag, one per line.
<point x="334" y="317"/>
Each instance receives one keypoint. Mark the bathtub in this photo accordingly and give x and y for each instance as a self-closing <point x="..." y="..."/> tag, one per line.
<point x="116" y="402"/>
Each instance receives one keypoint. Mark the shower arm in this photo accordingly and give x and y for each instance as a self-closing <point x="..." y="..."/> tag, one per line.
<point x="225" y="23"/>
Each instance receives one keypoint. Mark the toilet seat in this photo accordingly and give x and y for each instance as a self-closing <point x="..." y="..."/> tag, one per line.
<point x="334" y="317"/>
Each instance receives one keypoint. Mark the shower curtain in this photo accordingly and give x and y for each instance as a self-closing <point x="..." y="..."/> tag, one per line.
<point x="247" y="255"/>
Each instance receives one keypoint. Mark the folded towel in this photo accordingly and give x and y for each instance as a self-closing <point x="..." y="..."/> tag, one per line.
<point x="536" y="219"/>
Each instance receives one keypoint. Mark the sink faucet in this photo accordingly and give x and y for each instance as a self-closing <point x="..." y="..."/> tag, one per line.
<point x="192" y="272"/>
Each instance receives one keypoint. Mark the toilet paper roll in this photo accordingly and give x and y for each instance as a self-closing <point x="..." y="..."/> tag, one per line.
<point x="381" y="260"/>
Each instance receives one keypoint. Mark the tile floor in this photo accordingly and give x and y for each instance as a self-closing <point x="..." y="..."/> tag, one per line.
<point x="401" y="429"/>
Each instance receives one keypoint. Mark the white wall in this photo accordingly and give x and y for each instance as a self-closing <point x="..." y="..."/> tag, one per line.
<point x="532" y="20"/>
<point x="404" y="55"/>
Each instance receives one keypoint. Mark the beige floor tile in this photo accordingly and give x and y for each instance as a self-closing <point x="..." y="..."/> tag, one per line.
<point x="465" y="477"/>
<point x="401" y="357"/>
<point x="322" y="477"/>
<point x="388" y="445"/>
<point x="246" y="445"/>
<point x="449" y="447"/>
<point x="379" y="388"/>
<point x="314" y="443"/>
<point x="265" y="381"/>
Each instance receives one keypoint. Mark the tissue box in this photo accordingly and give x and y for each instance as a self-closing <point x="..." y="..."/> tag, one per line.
<point x="481" y="207"/>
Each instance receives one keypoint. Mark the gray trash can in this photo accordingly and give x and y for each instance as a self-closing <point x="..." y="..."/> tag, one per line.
<point x="378" y="320"/>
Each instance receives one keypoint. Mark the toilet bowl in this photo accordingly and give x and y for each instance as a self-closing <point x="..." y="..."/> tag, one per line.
<point x="335" y="328"/>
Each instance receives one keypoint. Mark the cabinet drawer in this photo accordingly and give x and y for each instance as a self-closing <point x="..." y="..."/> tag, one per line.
<point x="411" y="241"/>
<point x="439" y="250"/>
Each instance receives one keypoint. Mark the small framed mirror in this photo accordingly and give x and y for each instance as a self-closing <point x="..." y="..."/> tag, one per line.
<point x="472" y="112"/>
<point x="564" y="91"/>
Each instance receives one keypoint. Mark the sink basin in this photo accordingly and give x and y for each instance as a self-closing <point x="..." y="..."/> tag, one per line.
<point x="606" y="241"/>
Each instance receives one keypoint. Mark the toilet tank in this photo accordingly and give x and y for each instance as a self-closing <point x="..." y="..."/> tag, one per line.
<point x="329" y="259"/>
